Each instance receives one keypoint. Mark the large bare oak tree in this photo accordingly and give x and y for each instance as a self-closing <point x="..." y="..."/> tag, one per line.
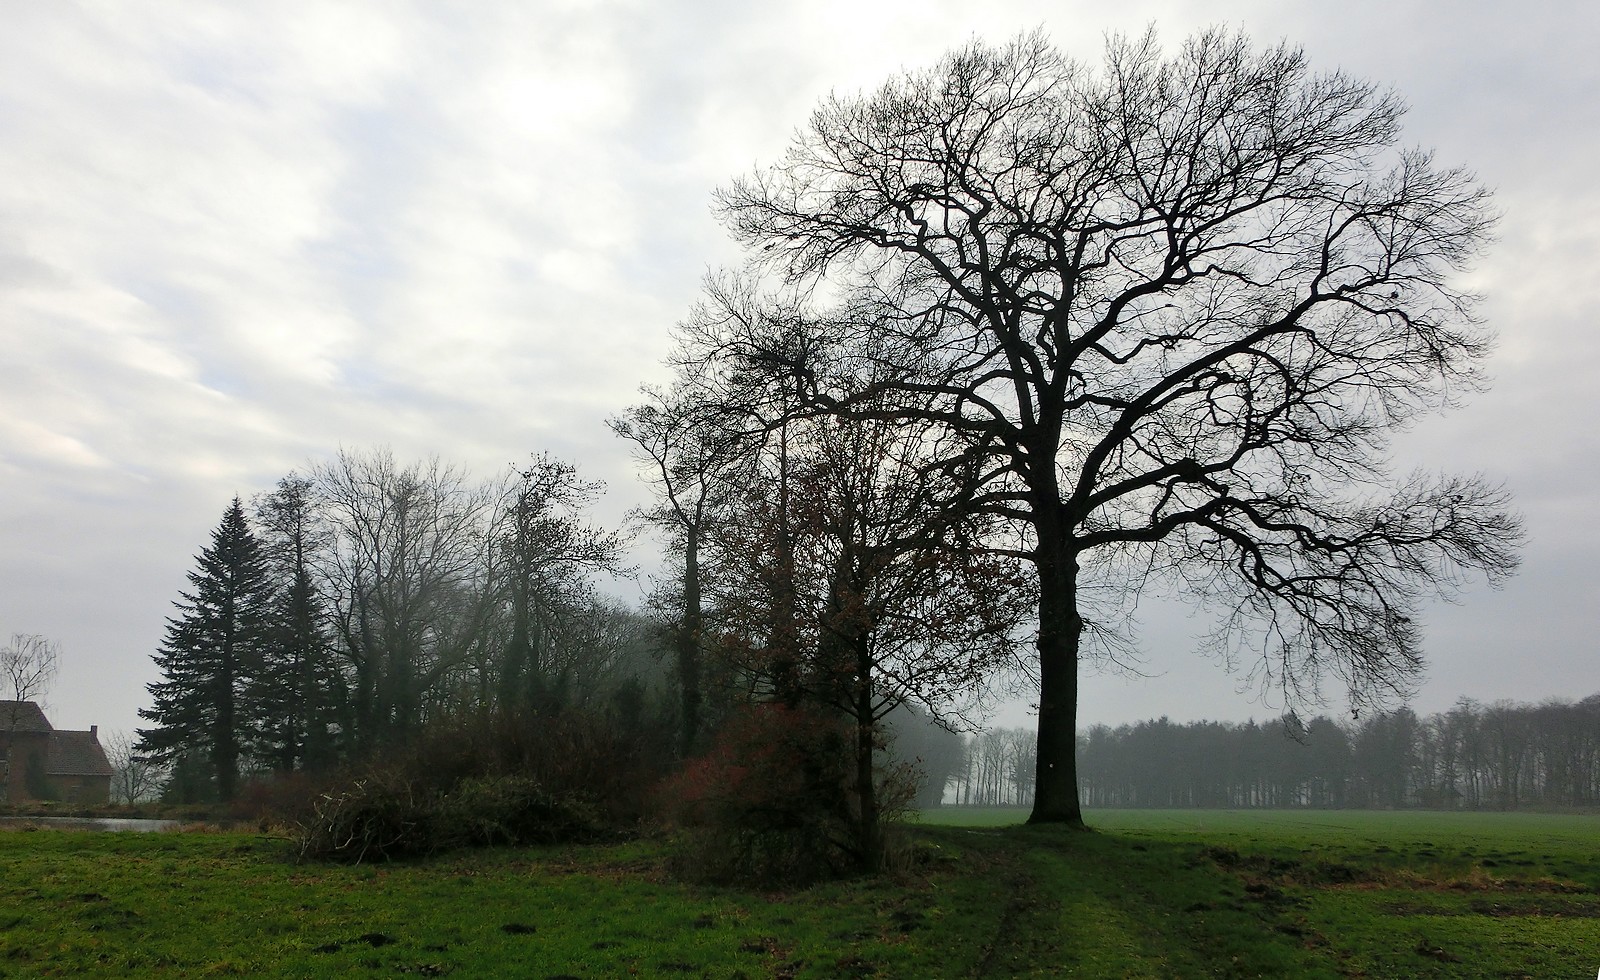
<point x="1174" y="307"/>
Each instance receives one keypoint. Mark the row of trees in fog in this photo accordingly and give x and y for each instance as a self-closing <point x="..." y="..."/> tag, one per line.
<point x="340" y="613"/>
<point x="1498" y="756"/>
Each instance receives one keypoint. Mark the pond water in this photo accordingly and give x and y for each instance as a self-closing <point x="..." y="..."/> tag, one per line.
<point x="133" y="824"/>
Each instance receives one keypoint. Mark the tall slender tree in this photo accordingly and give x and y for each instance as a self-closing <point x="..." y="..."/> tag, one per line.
<point x="213" y="648"/>
<point x="692" y="462"/>
<point x="299" y="693"/>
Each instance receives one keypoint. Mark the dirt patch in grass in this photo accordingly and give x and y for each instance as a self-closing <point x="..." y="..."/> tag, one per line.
<point x="1261" y="868"/>
<point x="1501" y="907"/>
<point x="1260" y="872"/>
<point x="1544" y="905"/>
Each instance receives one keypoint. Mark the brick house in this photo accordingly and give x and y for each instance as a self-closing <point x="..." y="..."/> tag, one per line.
<point x="46" y="764"/>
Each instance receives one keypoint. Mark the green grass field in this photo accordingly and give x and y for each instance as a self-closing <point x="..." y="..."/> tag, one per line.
<point x="1150" y="894"/>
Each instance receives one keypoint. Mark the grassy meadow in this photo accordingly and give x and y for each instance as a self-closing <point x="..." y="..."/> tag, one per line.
<point x="1149" y="894"/>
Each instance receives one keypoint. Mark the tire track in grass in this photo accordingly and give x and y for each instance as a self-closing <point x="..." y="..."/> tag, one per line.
<point x="1154" y="908"/>
<point x="1122" y="929"/>
<point x="1001" y="950"/>
<point x="1065" y="917"/>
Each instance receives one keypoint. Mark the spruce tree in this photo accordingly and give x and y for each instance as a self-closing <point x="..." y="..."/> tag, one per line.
<point x="299" y="694"/>
<point x="212" y="649"/>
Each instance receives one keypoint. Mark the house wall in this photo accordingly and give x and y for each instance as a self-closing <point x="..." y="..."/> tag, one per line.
<point x="82" y="789"/>
<point x="29" y="751"/>
<point x="30" y="780"/>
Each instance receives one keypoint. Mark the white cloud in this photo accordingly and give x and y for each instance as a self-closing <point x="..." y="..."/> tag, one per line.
<point x="232" y="236"/>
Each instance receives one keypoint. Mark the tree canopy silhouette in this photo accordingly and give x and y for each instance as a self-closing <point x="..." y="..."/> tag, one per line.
<point x="1171" y="308"/>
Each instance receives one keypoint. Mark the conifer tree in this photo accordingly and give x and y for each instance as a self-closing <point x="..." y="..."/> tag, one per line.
<point x="299" y="693"/>
<point x="213" y="647"/>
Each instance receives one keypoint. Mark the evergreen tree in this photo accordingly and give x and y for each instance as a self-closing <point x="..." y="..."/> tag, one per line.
<point x="212" y="649"/>
<point x="298" y="694"/>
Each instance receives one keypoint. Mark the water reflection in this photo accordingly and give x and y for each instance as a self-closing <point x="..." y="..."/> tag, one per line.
<point x="132" y="824"/>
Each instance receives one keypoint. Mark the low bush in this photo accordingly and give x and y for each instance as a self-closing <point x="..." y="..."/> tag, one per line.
<point x="387" y="816"/>
<point x="483" y="781"/>
<point x="517" y="810"/>
<point x="379" y="817"/>
<point x="573" y="755"/>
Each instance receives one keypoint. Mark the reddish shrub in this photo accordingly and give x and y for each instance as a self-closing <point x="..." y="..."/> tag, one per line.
<point x="771" y="800"/>
<point x="280" y="799"/>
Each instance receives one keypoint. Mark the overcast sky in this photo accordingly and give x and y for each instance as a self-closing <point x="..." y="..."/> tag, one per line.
<point x="237" y="236"/>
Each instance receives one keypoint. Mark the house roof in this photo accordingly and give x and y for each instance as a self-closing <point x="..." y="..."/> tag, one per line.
<point x="27" y="715"/>
<point x="77" y="754"/>
<point x="68" y="753"/>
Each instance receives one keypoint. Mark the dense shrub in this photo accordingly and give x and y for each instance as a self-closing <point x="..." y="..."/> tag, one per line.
<point x="281" y="799"/>
<point x="492" y="780"/>
<point x="774" y="800"/>
<point x="388" y="816"/>
<point x="517" y="810"/>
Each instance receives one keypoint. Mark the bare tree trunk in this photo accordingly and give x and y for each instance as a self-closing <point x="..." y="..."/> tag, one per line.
<point x="786" y="685"/>
<point x="689" y="636"/>
<point x="225" y="738"/>
<point x="1060" y="630"/>
<point x="868" y="834"/>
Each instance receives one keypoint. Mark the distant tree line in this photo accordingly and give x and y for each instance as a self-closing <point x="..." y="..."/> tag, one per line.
<point x="1502" y="755"/>
<point x="996" y="769"/>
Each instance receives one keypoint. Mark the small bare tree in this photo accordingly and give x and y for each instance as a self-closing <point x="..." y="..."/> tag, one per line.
<point x="136" y="777"/>
<point x="27" y="666"/>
